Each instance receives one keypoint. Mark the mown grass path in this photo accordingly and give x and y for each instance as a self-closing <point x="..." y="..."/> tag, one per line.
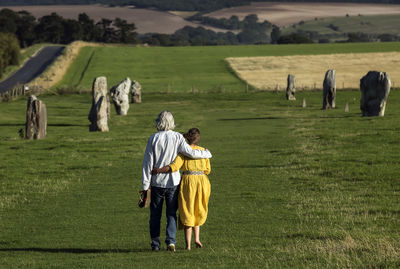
<point x="180" y="69"/>
<point x="291" y="186"/>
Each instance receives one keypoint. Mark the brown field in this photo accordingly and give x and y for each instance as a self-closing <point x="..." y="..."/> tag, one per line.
<point x="284" y="14"/>
<point x="183" y="14"/>
<point x="145" y="20"/>
<point x="270" y="73"/>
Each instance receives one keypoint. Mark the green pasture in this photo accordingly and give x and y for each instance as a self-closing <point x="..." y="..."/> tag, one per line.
<point x="377" y="24"/>
<point x="292" y="187"/>
<point x="178" y="69"/>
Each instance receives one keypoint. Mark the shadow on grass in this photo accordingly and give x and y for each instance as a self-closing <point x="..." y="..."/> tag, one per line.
<point x="12" y="124"/>
<point x="339" y="117"/>
<point x="258" y="166"/>
<point x="263" y="118"/>
<point x="51" y="124"/>
<point x="73" y="250"/>
<point x="67" y="125"/>
<point x="313" y="237"/>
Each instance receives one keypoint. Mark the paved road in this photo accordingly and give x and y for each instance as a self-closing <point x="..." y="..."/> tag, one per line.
<point x="32" y="68"/>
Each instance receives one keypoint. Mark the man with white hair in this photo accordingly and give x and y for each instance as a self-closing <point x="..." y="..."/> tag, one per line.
<point x="162" y="149"/>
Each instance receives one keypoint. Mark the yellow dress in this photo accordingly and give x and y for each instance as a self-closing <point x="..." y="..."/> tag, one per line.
<point x="194" y="191"/>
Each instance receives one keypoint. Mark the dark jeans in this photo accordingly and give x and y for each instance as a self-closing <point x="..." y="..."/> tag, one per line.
<point x="156" y="205"/>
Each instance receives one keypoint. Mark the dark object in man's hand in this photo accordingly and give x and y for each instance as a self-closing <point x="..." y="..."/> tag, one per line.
<point x="144" y="199"/>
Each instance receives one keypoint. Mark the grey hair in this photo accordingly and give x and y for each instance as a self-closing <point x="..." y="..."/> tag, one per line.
<point x="165" y="121"/>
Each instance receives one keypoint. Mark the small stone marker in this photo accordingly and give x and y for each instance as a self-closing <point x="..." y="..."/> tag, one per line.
<point x="136" y="92"/>
<point x="291" y="87"/>
<point x="304" y="103"/>
<point x="36" y="119"/>
<point x="120" y="96"/>
<point x="346" y="108"/>
<point x="329" y="92"/>
<point x="99" y="112"/>
<point x="375" y="89"/>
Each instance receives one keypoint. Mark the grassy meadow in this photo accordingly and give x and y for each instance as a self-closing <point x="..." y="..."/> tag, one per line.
<point x="338" y="27"/>
<point x="181" y="68"/>
<point x="292" y="187"/>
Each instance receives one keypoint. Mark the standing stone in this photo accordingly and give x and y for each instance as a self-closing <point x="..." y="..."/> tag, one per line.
<point x="137" y="92"/>
<point x="304" y="103"/>
<point x="291" y="87"/>
<point x="329" y="92"/>
<point x="120" y="96"/>
<point x="346" y="108"/>
<point x="98" y="115"/>
<point x="375" y="88"/>
<point x="36" y="119"/>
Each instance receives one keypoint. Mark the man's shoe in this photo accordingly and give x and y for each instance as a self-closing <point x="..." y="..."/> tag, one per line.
<point x="155" y="249"/>
<point x="171" y="247"/>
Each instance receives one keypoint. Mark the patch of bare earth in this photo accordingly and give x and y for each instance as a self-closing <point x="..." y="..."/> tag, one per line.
<point x="145" y="20"/>
<point x="183" y="14"/>
<point x="270" y="73"/>
<point x="284" y="14"/>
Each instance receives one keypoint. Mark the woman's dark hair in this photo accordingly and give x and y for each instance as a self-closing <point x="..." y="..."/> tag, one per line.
<point x="192" y="136"/>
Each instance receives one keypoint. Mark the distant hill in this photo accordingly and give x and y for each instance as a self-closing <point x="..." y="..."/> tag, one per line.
<point x="182" y="5"/>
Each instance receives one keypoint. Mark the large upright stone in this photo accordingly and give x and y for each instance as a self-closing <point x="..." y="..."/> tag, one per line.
<point x="136" y="92"/>
<point x="291" y="87"/>
<point x="329" y="92"/>
<point x="36" y="119"/>
<point x="99" y="112"/>
<point x="375" y="88"/>
<point x="120" y="96"/>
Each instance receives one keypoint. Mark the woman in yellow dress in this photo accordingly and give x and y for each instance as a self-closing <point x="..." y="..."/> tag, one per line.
<point x="194" y="189"/>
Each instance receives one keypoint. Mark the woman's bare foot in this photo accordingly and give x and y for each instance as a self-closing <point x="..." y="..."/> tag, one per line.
<point x="198" y="244"/>
<point x="187" y="248"/>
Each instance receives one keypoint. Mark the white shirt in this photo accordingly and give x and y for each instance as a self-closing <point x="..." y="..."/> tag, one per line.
<point x="162" y="149"/>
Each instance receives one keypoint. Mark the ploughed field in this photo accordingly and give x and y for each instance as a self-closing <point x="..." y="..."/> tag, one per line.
<point x="290" y="186"/>
<point x="145" y="20"/>
<point x="285" y="14"/>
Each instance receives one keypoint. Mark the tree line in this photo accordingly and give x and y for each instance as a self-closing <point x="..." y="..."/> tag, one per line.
<point x="251" y="32"/>
<point x="55" y="29"/>
<point x="9" y="51"/>
<point x="183" y="5"/>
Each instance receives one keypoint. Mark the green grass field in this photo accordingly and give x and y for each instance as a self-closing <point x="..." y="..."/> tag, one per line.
<point x="378" y="24"/>
<point x="180" y="68"/>
<point x="292" y="187"/>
